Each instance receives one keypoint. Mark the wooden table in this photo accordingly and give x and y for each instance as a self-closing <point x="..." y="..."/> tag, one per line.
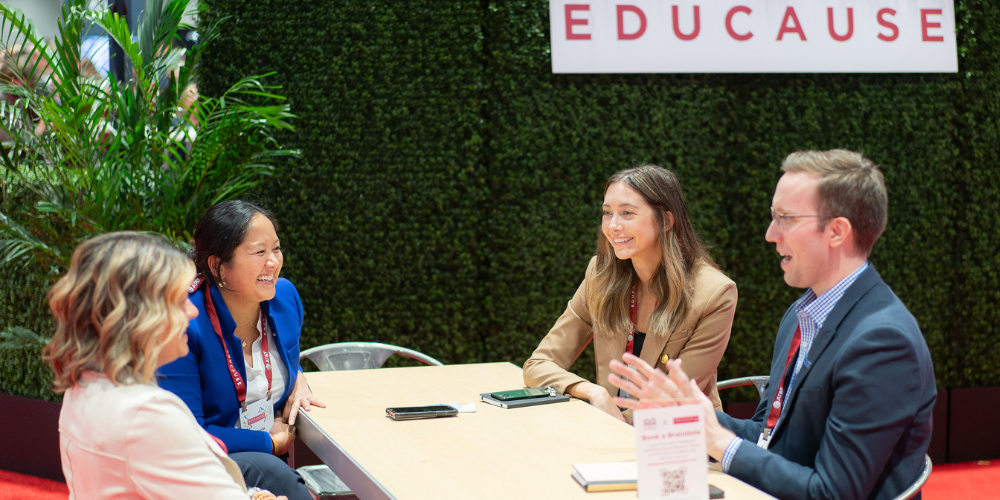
<point x="493" y="453"/>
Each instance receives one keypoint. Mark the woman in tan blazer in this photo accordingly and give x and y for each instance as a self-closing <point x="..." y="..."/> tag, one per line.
<point x="651" y="288"/>
<point x="121" y="312"/>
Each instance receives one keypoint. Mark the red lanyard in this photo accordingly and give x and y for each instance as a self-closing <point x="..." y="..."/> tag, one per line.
<point x="213" y="316"/>
<point x="777" y="406"/>
<point x="631" y="329"/>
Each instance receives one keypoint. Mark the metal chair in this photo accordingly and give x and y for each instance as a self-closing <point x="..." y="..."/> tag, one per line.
<point x="760" y="382"/>
<point x="359" y="356"/>
<point x="914" y="488"/>
<point x="320" y="480"/>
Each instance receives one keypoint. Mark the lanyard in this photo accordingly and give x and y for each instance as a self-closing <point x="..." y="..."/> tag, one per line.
<point x="777" y="406"/>
<point x="630" y="345"/>
<point x="213" y="316"/>
<point x="265" y="352"/>
<point x="631" y="329"/>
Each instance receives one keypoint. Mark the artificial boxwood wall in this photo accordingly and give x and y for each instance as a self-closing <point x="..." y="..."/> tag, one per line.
<point x="447" y="197"/>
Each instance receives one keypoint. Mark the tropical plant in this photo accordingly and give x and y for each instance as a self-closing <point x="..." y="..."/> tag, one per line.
<point x="86" y="154"/>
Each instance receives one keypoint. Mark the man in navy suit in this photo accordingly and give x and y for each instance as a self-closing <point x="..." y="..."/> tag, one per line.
<point x="847" y="409"/>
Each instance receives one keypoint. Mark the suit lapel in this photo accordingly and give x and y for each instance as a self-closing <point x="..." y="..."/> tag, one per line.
<point x="858" y="289"/>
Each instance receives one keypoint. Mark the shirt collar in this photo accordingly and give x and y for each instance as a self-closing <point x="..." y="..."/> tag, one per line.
<point x="818" y="308"/>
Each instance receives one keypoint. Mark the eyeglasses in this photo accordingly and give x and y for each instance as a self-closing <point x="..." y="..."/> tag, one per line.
<point x="782" y="219"/>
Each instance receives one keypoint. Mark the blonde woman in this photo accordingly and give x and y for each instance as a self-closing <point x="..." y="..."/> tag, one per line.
<point x="121" y="312"/>
<point x="651" y="290"/>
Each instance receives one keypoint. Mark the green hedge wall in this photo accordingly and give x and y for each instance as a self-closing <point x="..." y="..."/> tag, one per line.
<point x="448" y="196"/>
<point x="447" y="199"/>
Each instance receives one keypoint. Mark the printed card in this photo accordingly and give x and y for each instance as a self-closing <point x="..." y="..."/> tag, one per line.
<point x="670" y="450"/>
<point x="258" y="416"/>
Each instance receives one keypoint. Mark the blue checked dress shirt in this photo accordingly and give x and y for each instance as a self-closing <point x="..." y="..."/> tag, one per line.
<point x="812" y="312"/>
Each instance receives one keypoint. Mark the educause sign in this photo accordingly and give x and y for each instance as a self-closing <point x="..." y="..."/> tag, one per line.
<point x="747" y="36"/>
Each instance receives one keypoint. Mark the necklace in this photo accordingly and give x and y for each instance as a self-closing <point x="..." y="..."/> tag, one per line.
<point x="250" y="333"/>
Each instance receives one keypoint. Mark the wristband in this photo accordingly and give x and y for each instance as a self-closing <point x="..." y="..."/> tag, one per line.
<point x="274" y="445"/>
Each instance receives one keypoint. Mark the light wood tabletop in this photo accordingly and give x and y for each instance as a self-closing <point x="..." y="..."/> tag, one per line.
<point x="494" y="453"/>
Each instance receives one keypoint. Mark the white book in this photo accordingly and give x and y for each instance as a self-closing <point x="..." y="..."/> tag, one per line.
<point x="606" y="476"/>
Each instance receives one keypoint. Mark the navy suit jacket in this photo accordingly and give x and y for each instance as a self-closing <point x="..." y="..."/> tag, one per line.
<point x="201" y="379"/>
<point x="857" y="421"/>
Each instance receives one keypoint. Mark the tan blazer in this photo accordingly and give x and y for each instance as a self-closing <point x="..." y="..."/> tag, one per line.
<point x="139" y="442"/>
<point x="699" y="342"/>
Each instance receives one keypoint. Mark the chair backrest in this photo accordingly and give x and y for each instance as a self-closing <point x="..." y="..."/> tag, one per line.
<point x="914" y="488"/>
<point x="359" y="355"/>
<point x="760" y="382"/>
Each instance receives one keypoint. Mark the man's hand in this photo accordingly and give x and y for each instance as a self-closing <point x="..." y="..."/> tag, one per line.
<point x="653" y="388"/>
<point x="282" y="435"/>
<point x="300" y="397"/>
<point x="597" y="396"/>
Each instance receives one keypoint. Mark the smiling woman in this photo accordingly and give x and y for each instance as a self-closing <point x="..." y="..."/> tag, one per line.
<point x="121" y="311"/>
<point x="652" y="290"/>
<point x="241" y="378"/>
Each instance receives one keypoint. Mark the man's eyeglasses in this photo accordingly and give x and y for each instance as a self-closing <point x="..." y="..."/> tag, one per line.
<point x="782" y="219"/>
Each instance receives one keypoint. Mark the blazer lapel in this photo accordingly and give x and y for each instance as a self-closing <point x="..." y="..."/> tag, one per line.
<point x="858" y="289"/>
<point x="652" y="347"/>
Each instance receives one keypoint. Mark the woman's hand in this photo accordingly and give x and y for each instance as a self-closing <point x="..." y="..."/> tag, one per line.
<point x="598" y="397"/>
<point x="300" y="397"/>
<point x="282" y="435"/>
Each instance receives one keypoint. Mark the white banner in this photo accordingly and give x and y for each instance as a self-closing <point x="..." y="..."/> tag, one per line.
<point x="753" y="36"/>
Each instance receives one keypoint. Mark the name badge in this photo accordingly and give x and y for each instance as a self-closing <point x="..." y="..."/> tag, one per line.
<point x="257" y="416"/>
<point x="764" y="439"/>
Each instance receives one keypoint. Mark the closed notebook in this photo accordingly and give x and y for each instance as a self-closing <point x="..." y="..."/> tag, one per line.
<point x="606" y="476"/>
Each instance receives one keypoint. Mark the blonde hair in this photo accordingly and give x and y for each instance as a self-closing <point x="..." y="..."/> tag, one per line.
<point x="609" y="290"/>
<point x="116" y="308"/>
<point x="850" y="186"/>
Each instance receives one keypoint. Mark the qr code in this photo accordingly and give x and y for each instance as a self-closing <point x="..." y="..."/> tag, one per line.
<point x="673" y="481"/>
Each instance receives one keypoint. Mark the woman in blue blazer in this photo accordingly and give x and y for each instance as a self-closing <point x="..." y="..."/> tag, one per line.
<point x="241" y="378"/>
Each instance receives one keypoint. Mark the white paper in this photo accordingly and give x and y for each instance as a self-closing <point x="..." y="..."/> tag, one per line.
<point x="463" y="408"/>
<point x="604" y="472"/>
<point x="670" y="450"/>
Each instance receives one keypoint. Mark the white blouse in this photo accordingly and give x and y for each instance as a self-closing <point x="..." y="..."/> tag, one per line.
<point x="132" y="442"/>
<point x="256" y="380"/>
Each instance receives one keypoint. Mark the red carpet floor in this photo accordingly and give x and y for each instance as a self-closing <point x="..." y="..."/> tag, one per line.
<point x="979" y="480"/>
<point x="973" y="480"/>
<point x="15" y="486"/>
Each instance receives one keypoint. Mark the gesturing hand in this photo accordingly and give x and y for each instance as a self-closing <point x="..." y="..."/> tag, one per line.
<point x="653" y="388"/>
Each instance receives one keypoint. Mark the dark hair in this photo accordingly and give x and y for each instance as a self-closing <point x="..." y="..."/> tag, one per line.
<point x="220" y="231"/>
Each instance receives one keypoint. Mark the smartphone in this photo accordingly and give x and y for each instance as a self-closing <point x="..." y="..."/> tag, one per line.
<point x="519" y="394"/>
<point x="415" y="412"/>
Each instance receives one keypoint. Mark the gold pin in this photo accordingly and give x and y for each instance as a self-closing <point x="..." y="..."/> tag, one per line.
<point x="664" y="359"/>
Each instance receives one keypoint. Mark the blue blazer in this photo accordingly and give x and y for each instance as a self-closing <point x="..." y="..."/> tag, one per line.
<point x="857" y="422"/>
<point x="201" y="379"/>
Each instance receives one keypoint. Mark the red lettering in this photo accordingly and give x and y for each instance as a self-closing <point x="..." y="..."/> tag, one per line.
<point x="850" y="25"/>
<point x="677" y="27"/>
<point x="795" y="28"/>
<point x="621" y="22"/>
<point x="570" y="22"/>
<point x="887" y="24"/>
<point x="729" y="23"/>
<point x="925" y="25"/>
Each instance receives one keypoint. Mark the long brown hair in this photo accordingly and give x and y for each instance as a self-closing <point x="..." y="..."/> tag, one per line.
<point x="609" y="290"/>
<point x="116" y="308"/>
